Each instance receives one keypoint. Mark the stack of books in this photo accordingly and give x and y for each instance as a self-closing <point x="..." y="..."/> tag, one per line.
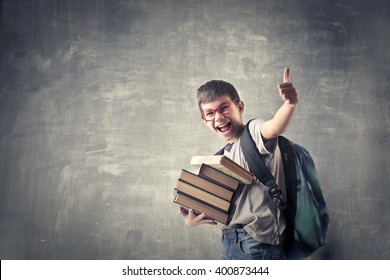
<point x="211" y="190"/>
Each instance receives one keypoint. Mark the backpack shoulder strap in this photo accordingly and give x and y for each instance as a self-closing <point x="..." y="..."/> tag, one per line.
<point x="289" y="165"/>
<point x="258" y="168"/>
<point x="220" y="152"/>
<point x="288" y="158"/>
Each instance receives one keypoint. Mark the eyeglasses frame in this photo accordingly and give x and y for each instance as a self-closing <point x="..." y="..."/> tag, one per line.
<point x="229" y="103"/>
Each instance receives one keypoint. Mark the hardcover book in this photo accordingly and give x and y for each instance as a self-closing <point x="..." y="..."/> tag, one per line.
<point x="210" y="183"/>
<point x="225" y="165"/>
<point x="197" y="206"/>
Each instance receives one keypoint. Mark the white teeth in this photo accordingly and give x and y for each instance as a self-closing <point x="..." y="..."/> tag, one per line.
<point x="223" y="127"/>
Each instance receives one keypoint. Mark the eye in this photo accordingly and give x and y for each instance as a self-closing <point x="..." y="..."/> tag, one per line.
<point x="223" y="108"/>
<point x="208" y="113"/>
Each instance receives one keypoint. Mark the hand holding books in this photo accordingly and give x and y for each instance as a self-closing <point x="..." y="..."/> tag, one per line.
<point x="206" y="197"/>
<point x="193" y="218"/>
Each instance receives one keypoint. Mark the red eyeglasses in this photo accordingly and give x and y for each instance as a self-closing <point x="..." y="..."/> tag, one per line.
<point x="223" y="108"/>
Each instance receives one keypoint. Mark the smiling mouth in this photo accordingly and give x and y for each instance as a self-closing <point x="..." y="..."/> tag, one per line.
<point x="225" y="127"/>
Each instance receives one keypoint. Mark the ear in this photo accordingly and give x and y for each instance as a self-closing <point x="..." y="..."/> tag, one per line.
<point x="241" y="106"/>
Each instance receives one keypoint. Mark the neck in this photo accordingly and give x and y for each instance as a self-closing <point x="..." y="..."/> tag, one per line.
<point x="239" y="132"/>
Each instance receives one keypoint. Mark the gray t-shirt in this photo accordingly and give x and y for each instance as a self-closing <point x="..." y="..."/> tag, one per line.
<point x="251" y="204"/>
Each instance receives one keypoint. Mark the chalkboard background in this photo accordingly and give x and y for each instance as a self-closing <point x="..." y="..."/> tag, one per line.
<point x="98" y="115"/>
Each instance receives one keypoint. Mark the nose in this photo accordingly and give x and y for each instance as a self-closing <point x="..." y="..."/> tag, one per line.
<point x="217" y="116"/>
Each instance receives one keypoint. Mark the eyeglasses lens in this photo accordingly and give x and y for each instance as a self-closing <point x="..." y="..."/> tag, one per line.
<point x="223" y="109"/>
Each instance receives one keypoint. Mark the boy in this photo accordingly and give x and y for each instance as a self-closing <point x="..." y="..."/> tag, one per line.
<point x="255" y="225"/>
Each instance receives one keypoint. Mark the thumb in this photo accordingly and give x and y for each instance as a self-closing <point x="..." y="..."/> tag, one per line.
<point x="286" y="75"/>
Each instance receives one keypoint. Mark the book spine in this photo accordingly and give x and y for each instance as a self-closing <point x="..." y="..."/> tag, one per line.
<point x="204" y="202"/>
<point x="240" y="171"/>
<point x="207" y="184"/>
<point x="204" y="190"/>
<point x="222" y="185"/>
<point x="191" y="203"/>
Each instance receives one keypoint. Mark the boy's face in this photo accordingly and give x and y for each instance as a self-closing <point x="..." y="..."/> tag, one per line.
<point x="224" y="118"/>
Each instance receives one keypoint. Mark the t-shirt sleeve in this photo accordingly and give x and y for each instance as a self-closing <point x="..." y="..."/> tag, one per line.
<point x="265" y="146"/>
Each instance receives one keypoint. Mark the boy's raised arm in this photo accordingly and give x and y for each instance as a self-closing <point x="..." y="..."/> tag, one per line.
<point x="279" y="123"/>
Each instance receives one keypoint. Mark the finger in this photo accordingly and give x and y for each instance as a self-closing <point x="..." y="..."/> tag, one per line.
<point x="200" y="217"/>
<point x="183" y="211"/>
<point x="291" y="97"/>
<point x="208" y="221"/>
<point x="203" y="219"/>
<point x="191" y="213"/>
<point x="288" y="90"/>
<point x="286" y="76"/>
<point x="285" y="85"/>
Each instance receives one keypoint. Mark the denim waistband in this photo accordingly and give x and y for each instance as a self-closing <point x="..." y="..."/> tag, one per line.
<point x="233" y="232"/>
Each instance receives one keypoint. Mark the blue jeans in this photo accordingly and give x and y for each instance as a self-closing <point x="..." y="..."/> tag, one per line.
<point x="239" y="245"/>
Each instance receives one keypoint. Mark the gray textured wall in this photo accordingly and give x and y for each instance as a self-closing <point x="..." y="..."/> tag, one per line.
<point x="98" y="116"/>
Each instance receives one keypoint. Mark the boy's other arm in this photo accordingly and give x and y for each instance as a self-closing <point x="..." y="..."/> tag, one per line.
<point x="279" y="123"/>
<point x="193" y="220"/>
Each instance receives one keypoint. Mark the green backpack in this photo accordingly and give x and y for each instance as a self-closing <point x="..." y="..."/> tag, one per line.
<point x="307" y="217"/>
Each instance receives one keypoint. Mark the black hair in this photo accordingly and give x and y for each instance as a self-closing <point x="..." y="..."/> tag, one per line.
<point x="214" y="89"/>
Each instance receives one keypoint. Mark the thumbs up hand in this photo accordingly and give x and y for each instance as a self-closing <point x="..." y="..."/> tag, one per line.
<point x="287" y="90"/>
<point x="282" y="118"/>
